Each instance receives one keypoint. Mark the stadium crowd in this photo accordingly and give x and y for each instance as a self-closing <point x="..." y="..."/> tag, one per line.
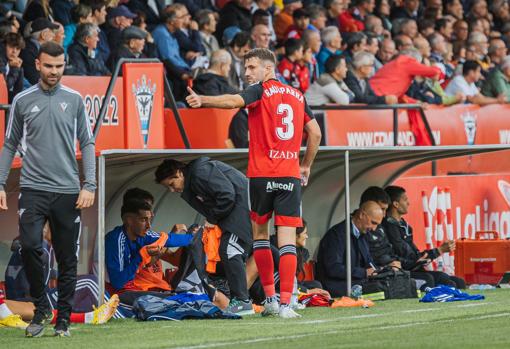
<point x="334" y="51"/>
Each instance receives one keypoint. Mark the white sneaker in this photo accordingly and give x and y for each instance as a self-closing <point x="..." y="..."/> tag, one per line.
<point x="271" y="307"/>
<point x="286" y="312"/>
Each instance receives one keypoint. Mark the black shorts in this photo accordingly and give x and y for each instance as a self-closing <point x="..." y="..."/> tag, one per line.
<point x="281" y="195"/>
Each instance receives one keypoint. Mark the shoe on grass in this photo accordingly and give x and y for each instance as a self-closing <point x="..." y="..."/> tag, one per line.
<point x="271" y="306"/>
<point x="36" y="327"/>
<point x="62" y="328"/>
<point x="13" y="321"/>
<point x="106" y="311"/>
<point x="286" y="312"/>
<point x="240" y="307"/>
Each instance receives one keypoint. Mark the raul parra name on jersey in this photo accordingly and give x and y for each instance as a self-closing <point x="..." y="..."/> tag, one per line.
<point x="270" y="186"/>
<point x="290" y="91"/>
<point x="282" y="154"/>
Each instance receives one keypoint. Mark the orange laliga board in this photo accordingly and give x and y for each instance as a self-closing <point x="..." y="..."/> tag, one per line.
<point x="479" y="203"/>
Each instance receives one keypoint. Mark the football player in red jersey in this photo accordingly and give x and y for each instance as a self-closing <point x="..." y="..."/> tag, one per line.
<point x="278" y="114"/>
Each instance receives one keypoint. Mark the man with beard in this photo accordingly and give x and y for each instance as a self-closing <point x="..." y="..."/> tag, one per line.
<point x="50" y="113"/>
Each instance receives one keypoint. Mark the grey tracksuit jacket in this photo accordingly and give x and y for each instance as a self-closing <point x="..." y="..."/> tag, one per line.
<point x="46" y="124"/>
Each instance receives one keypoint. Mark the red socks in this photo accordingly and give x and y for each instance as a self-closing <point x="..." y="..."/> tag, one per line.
<point x="76" y="318"/>
<point x="287" y="270"/>
<point x="265" y="265"/>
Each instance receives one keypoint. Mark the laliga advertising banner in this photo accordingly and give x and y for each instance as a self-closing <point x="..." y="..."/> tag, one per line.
<point x="478" y="203"/>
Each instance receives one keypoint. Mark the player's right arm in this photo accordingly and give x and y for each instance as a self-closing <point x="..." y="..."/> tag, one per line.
<point x="13" y="136"/>
<point x="222" y="101"/>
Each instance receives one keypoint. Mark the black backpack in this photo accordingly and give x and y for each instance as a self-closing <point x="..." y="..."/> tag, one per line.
<point x="396" y="284"/>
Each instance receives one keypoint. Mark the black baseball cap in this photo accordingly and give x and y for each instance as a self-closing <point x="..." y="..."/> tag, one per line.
<point x="133" y="32"/>
<point x="41" y="24"/>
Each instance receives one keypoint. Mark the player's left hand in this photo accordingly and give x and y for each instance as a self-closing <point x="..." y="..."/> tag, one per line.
<point x="194" y="100"/>
<point x="305" y="174"/>
<point x="85" y="199"/>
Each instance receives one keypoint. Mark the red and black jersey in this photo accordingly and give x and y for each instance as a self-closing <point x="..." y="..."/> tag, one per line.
<point x="277" y="116"/>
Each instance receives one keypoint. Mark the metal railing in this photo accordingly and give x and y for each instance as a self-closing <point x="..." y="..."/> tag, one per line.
<point x="169" y="96"/>
<point x="394" y="107"/>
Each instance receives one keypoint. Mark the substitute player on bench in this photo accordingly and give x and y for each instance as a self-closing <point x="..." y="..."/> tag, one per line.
<point x="277" y="116"/>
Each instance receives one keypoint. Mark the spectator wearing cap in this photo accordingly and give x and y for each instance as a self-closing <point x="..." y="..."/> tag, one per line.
<point x="81" y="13"/>
<point x="264" y="6"/>
<point x="62" y="10"/>
<point x="99" y="18"/>
<point x="301" y="22"/>
<point x="330" y="87"/>
<point x="118" y="19"/>
<point x="189" y="40"/>
<point x="38" y="9"/>
<point x="133" y="45"/>
<point x="331" y="45"/>
<point x="41" y="30"/>
<point x="206" y="20"/>
<point x="408" y="10"/>
<point x="261" y="36"/>
<point x="150" y="9"/>
<point x="357" y="81"/>
<point x="82" y="53"/>
<point x="11" y="64"/>
<point x="238" y="47"/>
<point x="237" y="13"/>
<point x="284" y="20"/>
<point x="353" y="20"/>
<point x="168" y="48"/>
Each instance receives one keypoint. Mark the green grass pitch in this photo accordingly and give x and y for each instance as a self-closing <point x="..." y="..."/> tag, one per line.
<point x="389" y="324"/>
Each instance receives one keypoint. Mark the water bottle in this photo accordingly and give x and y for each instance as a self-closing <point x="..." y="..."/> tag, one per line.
<point x="356" y="291"/>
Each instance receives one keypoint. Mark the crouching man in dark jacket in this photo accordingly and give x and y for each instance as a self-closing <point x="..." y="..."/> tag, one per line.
<point x="219" y="192"/>
<point x="331" y="261"/>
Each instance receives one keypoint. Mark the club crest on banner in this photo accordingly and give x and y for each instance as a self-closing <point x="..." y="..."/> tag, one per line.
<point x="469" y="120"/>
<point x="144" y="92"/>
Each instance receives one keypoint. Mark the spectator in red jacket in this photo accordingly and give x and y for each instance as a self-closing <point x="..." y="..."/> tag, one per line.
<point x="395" y="77"/>
<point x="295" y="73"/>
<point x="353" y="20"/>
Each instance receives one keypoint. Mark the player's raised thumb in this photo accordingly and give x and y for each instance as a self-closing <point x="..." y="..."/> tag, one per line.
<point x="191" y="92"/>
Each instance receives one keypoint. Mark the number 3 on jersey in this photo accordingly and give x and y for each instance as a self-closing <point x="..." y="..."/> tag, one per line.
<point x="287" y="132"/>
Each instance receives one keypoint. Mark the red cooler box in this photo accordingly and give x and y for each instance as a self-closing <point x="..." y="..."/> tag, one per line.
<point x="482" y="261"/>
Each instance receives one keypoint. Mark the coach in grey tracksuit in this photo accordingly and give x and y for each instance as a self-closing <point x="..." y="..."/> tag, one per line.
<point x="46" y="120"/>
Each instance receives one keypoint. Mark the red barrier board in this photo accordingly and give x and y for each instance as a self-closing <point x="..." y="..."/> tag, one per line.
<point x="3" y="100"/>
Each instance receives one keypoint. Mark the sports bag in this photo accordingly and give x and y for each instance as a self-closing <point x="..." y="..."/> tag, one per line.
<point x="396" y="284"/>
